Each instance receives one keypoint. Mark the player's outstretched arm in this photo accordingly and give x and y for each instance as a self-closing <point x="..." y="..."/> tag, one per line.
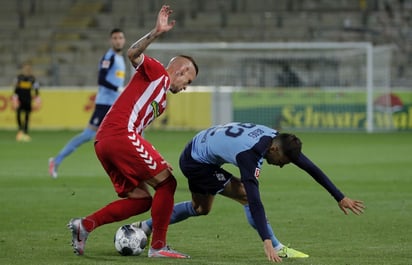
<point x="162" y="25"/>
<point x="355" y="206"/>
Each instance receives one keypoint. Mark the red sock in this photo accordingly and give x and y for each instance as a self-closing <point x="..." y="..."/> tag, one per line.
<point x="116" y="211"/>
<point x="162" y="208"/>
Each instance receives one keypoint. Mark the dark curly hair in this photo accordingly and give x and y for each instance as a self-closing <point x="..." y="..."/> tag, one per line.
<point x="290" y="144"/>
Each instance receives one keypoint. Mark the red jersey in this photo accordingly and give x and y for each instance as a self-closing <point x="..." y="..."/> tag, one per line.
<point x="143" y="100"/>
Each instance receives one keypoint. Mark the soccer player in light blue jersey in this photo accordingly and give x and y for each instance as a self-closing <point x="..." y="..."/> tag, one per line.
<point x="112" y="72"/>
<point x="244" y="145"/>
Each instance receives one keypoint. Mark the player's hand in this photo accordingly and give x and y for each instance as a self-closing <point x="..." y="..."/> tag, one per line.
<point x="270" y="251"/>
<point x="37" y="103"/>
<point x="355" y="206"/>
<point x="15" y="103"/>
<point x="163" y="24"/>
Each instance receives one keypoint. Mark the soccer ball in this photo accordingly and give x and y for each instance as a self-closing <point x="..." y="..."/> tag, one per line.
<point x="130" y="240"/>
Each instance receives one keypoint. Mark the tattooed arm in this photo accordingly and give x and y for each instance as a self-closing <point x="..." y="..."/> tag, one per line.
<point x="162" y="25"/>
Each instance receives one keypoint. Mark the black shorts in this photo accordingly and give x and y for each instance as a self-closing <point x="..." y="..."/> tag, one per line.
<point x="99" y="112"/>
<point x="202" y="178"/>
<point x="25" y="105"/>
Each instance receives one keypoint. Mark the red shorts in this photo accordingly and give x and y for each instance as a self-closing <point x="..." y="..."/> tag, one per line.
<point x="128" y="160"/>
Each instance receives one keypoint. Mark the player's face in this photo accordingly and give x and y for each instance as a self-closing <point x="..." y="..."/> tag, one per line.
<point x="276" y="157"/>
<point x="26" y="69"/>
<point x="182" y="77"/>
<point x="118" y="40"/>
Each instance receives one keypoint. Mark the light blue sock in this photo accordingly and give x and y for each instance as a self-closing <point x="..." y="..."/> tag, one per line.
<point x="85" y="136"/>
<point x="181" y="211"/>
<point x="275" y="242"/>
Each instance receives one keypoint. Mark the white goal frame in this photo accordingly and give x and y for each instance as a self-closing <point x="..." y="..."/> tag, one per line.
<point x="367" y="47"/>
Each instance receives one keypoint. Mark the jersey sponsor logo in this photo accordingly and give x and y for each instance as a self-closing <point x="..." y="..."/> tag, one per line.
<point x="257" y="172"/>
<point x="120" y="74"/>
<point x="105" y="64"/>
<point x="156" y="109"/>
<point x="25" y="84"/>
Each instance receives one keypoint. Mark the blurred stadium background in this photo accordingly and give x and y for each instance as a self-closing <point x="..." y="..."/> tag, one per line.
<point x="65" y="39"/>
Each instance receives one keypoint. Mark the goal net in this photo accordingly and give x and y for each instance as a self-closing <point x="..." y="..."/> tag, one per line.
<point x="297" y="86"/>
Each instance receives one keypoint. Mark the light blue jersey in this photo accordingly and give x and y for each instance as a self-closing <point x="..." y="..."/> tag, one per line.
<point x="222" y="144"/>
<point x="112" y="72"/>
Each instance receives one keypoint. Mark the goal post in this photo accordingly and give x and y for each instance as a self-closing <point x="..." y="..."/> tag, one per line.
<point x="315" y="86"/>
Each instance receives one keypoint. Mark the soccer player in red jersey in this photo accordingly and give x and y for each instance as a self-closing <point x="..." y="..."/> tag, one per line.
<point x="132" y="162"/>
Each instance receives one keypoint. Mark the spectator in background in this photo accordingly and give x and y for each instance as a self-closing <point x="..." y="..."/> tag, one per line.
<point x="24" y="86"/>
<point x="112" y="72"/>
<point x="388" y="10"/>
<point x="288" y="78"/>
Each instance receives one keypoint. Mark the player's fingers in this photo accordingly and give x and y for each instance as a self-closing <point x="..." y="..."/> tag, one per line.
<point x="360" y="204"/>
<point x="274" y="258"/>
<point x="359" y="209"/>
<point x="172" y="23"/>
<point x="343" y="210"/>
<point x="355" y="211"/>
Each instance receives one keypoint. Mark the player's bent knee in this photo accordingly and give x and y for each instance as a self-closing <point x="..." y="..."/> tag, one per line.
<point x="169" y="183"/>
<point x="139" y="193"/>
<point x="160" y="178"/>
<point x="201" y="210"/>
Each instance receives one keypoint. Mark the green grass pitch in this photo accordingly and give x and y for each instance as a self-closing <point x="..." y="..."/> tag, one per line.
<point x="376" y="168"/>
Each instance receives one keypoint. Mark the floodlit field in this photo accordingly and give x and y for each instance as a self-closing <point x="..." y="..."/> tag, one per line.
<point x="376" y="168"/>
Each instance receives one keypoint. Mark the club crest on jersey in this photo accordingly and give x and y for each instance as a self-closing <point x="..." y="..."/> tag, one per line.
<point x="156" y="110"/>
<point x="105" y="64"/>
<point x="257" y="172"/>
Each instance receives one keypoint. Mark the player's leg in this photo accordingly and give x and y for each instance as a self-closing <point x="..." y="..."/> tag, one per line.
<point x="135" y="194"/>
<point x="20" y="132"/>
<point x="119" y="162"/>
<point x="81" y="138"/>
<point x="23" y="110"/>
<point x="26" y="121"/>
<point x="138" y="201"/>
<point x="203" y="185"/>
<point x="236" y="191"/>
<point x="164" y="184"/>
<point x="147" y="165"/>
<point x="18" y="118"/>
<point x="200" y="205"/>
<point x="113" y="212"/>
<point x="27" y="113"/>
<point x="85" y="136"/>
<point x="88" y="134"/>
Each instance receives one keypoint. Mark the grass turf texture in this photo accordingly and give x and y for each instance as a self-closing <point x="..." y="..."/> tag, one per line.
<point x="375" y="168"/>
